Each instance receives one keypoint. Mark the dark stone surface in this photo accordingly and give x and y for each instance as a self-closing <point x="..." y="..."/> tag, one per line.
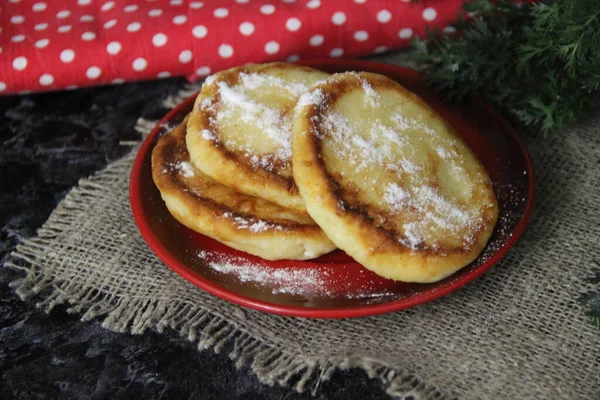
<point x="48" y="142"/>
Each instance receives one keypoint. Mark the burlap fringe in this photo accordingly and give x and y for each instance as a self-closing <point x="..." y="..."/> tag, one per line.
<point x="201" y="326"/>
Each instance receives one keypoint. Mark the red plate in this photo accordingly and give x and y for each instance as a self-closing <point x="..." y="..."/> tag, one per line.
<point x="335" y="286"/>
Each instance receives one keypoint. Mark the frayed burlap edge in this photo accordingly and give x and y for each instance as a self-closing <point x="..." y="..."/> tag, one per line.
<point x="202" y="326"/>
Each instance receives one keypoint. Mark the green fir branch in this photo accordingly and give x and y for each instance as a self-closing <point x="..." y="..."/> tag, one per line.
<point x="537" y="63"/>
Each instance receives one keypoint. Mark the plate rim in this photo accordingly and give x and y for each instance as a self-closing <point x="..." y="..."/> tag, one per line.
<point x="331" y="313"/>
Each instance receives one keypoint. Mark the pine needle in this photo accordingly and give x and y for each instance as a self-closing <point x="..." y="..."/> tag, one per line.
<point x="538" y="63"/>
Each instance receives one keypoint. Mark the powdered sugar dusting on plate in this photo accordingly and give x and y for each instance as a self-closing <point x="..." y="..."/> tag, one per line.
<point x="302" y="280"/>
<point x="289" y="280"/>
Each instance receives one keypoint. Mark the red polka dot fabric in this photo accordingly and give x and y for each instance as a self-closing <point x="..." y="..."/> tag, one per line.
<point x="65" y="44"/>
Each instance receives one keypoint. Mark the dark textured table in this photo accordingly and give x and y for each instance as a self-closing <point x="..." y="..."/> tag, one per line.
<point x="48" y="142"/>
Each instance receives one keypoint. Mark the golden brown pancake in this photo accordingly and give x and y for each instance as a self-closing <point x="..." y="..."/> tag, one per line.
<point x="388" y="180"/>
<point x="240" y="221"/>
<point x="239" y="132"/>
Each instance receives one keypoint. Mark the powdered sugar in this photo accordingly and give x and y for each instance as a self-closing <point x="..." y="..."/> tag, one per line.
<point x="267" y="119"/>
<point x="185" y="169"/>
<point x="289" y="280"/>
<point x="207" y="134"/>
<point x="395" y="196"/>
<point x="274" y="124"/>
<point x="372" y="96"/>
<point x="313" y="98"/>
<point x="254" y="225"/>
<point x="257" y="81"/>
<point x="298" y="280"/>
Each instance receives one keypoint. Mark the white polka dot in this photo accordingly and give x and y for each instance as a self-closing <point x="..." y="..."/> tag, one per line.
<point x="163" y="74"/>
<point x="107" y="6"/>
<point x="2" y="86"/>
<point x="361" y="1"/>
<point x="37" y="7"/>
<point x="384" y="16"/>
<point x="381" y="49"/>
<point x="93" y="72"/>
<point x="272" y="47"/>
<point x="19" y="63"/>
<point x="289" y="1"/>
<point x="225" y="51"/>
<point x="63" y="14"/>
<point x="313" y="4"/>
<point x="67" y="55"/>
<point x="203" y="71"/>
<point x="338" y="18"/>
<point x="180" y="20"/>
<point x="361" y="36"/>
<point x="84" y="2"/>
<point x="405" y="33"/>
<point x="18" y="38"/>
<point x="155" y="12"/>
<point x="246" y="28"/>
<point x="242" y="1"/>
<point x="46" y="80"/>
<point x="160" y="39"/>
<point x="449" y="29"/>
<point x="110" y="24"/>
<point x="293" y="58"/>
<point x="113" y="48"/>
<point x="40" y="44"/>
<point x="185" y="56"/>
<point x="41" y="27"/>
<point x="176" y="2"/>
<point x="199" y="31"/>
<point x="134" y="27"/>
<point x="139" y="64"/>
<point x="337" y="52"/>
<point x="131" y="8"/>
<point x="14" y="1"/>
<point x="86" y="18"/>
<point x="267" y="9"/>
<point x="87" y="36"/>
<point x="429" y="14"/>
<point x="17" y="19"/>
<point x="317" y="40"/>
<point x="293" y="24"/>
<point x="64" y="28"/>
<point x="196" y="5"/>
<point x="221" y="12"/>
<point x="118" y="81"/>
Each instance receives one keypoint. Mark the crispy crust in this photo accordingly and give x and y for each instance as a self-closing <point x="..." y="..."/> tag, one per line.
<point x="233" y="168"/>
<point x="215" y="210"/>
<point x="369" y="232"/>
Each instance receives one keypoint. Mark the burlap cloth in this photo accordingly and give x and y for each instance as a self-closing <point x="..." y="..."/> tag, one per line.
<point x="516" y="332"/>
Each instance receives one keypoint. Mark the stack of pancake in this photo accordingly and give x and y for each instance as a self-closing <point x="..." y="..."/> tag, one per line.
<point x="287" y="162"/>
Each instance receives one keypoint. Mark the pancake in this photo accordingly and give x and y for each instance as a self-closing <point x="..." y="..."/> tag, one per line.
<point x="240" y="221"/>
<point x="388" y="180"/>
<point x="239" y="132"/>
